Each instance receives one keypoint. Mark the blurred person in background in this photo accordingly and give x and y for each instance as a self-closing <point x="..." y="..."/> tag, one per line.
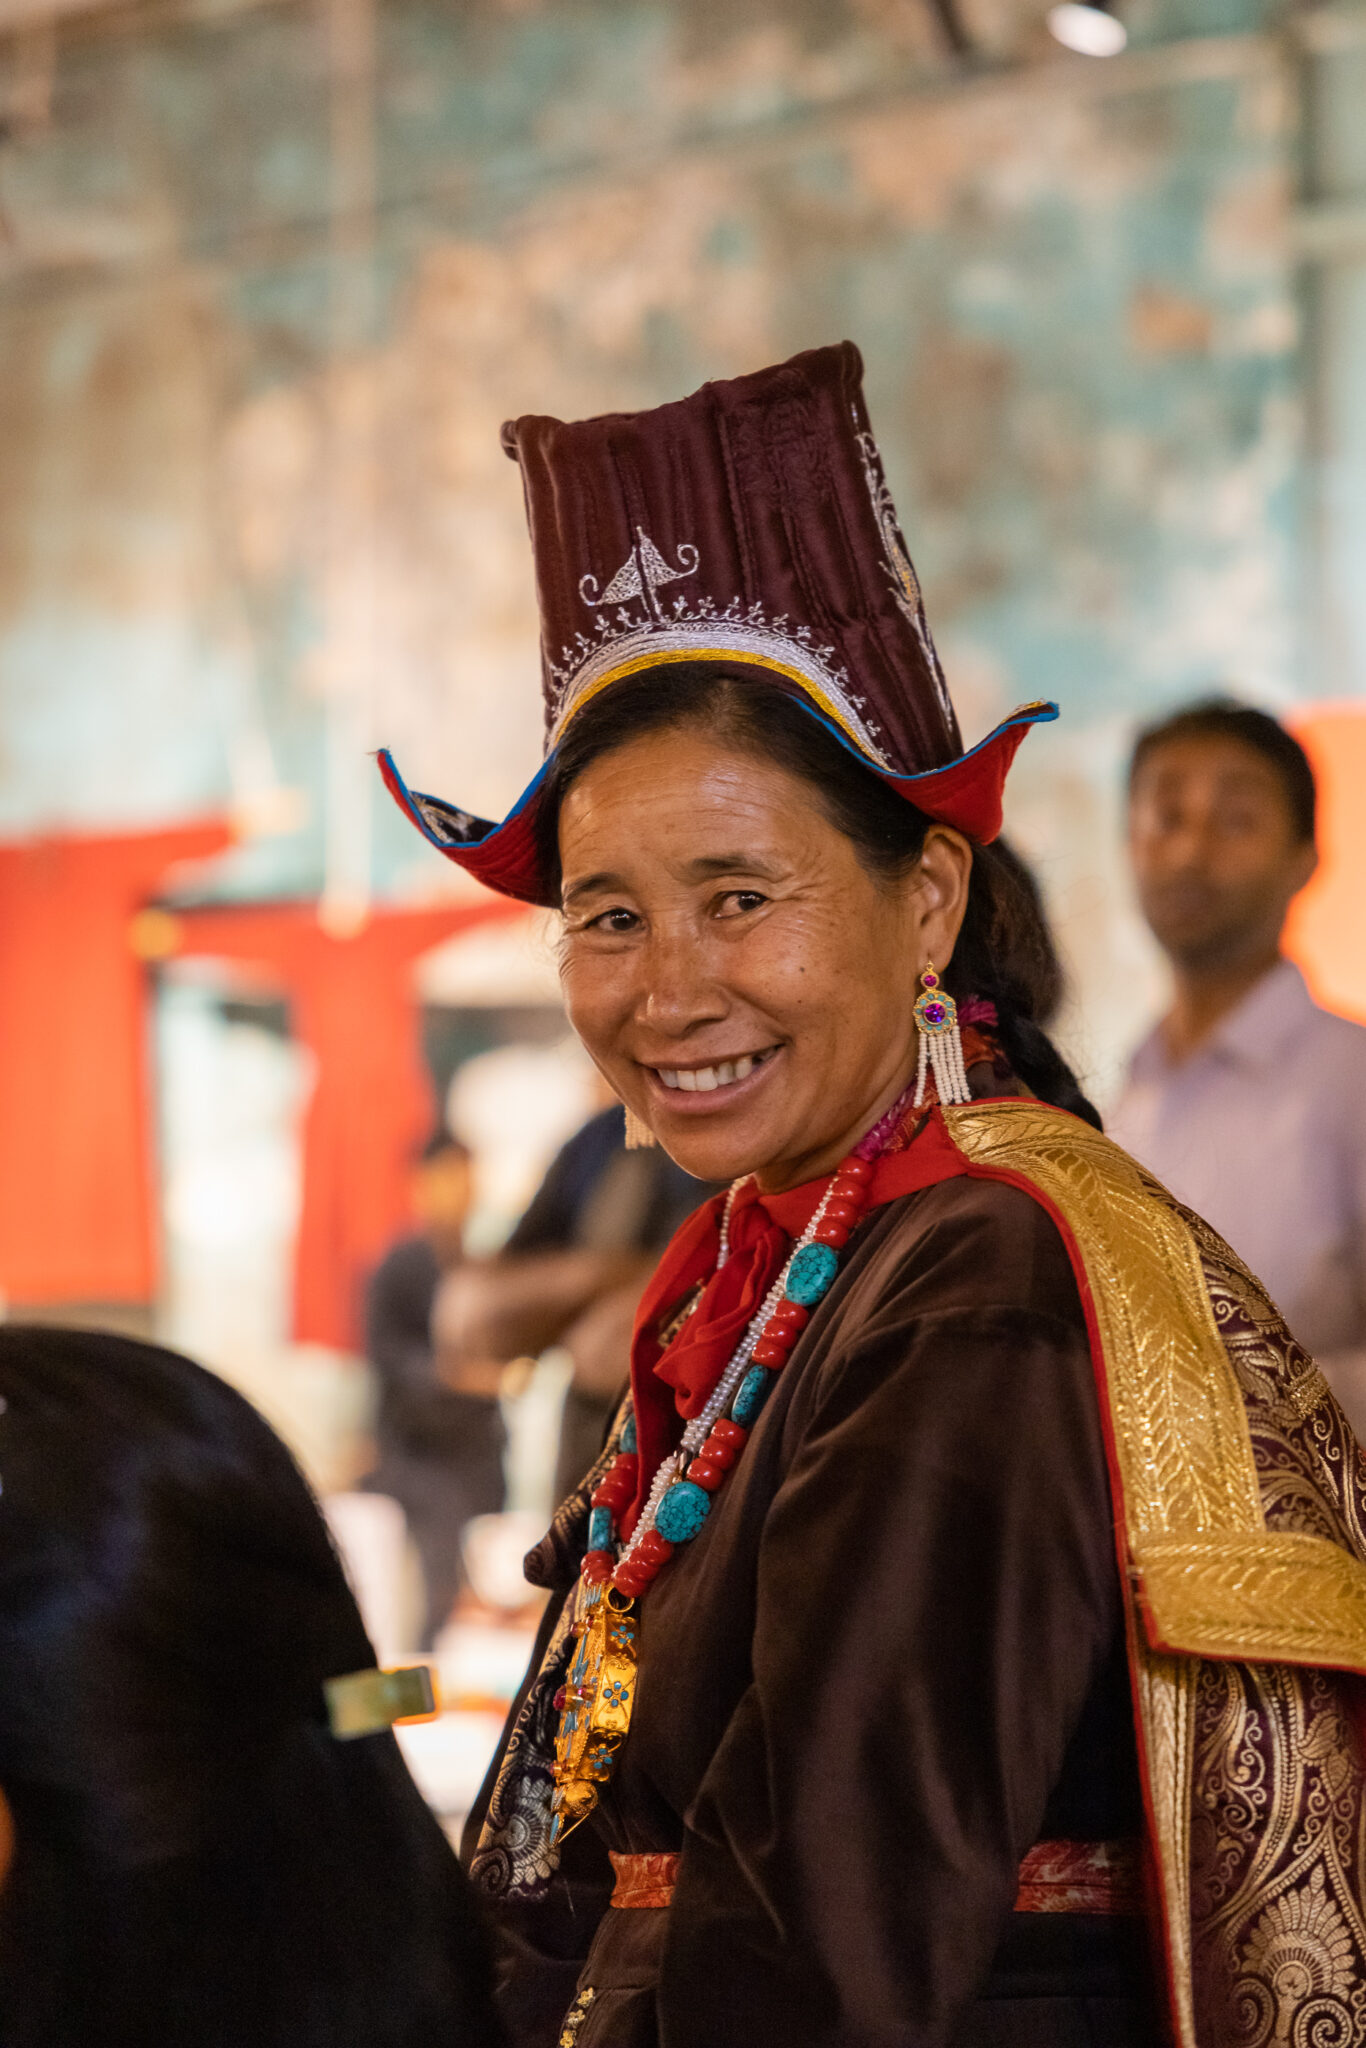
<point x="189" y="1857"/>
<point x="900" y="1653"/>
<point x="571" y="1274"/>
<point x="440" y="1438"/>
<point x="1246" y="1099"/>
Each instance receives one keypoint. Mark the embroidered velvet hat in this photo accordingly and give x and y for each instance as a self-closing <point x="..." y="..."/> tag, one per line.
<point x="748" y="525"/>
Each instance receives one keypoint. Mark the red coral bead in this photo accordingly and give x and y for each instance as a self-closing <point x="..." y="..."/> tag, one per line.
<point x="772" y="1352"/>
<point x="836" y="1235"/>
<point x="654" y="1548"/>
<point x="849" y="1191"/>
<point x="788" y="1315"/>
<point x="597" y="1566"/>
<point x="629" y="1579"/>
<point x="717" y="1451"/>
<point x="854" y="1168"/>
<point x="613" y="1493"/>
<point x="727" y="1432"/>
<point x="627" y="1463"/>
<point x="843" y="1212"/>
<point x="704" y="1473"/>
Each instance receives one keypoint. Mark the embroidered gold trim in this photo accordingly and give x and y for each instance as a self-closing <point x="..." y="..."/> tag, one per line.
<point x="1289" y="1598"/>
<point x="1213" y="1583"/>
<point x="1185" y="1453"/>
<point x="1213" y="1579"/>
<point x="1167" y="1691"/>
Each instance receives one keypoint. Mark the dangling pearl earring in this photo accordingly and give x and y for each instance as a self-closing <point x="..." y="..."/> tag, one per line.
<point x="639" y="1136"/>
<point x="941" y="1046"/>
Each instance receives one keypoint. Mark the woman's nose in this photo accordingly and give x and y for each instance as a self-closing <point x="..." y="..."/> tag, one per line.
<point x="678" y="989"/>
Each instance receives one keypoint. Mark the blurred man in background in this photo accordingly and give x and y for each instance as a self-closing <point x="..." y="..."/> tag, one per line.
<point x="1247" y="1100"/>
<point x="440" y="1439"/>
<point x="571" y="1274"/>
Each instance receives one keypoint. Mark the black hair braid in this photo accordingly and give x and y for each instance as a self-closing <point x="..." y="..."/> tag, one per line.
<point x="1041" y="1066"/>
<point x="1006" y="956"/>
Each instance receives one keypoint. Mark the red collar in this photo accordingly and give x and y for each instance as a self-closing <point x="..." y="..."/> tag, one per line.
<point x="670" y="1386"/>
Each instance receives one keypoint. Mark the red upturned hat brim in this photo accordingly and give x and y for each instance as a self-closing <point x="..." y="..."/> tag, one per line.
<point x="965" y="793"/>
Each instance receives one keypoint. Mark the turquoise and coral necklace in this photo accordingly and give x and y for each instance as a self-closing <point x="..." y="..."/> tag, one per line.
<point x="596" y="1700"/>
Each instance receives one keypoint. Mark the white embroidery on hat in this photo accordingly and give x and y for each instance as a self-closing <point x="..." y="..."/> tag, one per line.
<point x="642" y="573"/>
<point x="904" y="584"/>
<point x="708" y="627"/>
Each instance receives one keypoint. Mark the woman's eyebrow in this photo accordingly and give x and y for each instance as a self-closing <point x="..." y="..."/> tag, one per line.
<point x="709" y="864"/>
<point x="589" y="885"/>
<point x="705" y="868"/>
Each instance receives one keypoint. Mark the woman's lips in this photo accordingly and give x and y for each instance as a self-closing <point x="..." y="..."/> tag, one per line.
<point x="693" y="1089"/>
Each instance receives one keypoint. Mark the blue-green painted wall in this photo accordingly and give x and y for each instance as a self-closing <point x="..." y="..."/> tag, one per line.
<point x="1072" y="281"/>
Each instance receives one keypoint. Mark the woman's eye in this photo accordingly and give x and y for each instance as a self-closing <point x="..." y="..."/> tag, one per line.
<point x="738" y="901"/>
<point x="618" y="920"/>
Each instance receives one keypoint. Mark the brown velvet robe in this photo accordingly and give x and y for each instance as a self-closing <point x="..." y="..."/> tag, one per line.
<point x="891" y="1662"/>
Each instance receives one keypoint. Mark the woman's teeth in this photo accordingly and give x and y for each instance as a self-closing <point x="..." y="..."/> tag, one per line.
<point x="701" y="1080"/>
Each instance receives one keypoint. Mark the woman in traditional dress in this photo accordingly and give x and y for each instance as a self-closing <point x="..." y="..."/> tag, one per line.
<point x="947" y="1649"/>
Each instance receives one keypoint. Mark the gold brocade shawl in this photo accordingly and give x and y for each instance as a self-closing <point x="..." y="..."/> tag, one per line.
<point x="1240" y="1496"/>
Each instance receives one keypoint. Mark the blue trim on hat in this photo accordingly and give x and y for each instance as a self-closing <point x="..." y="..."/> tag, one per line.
<point x="1032" y="714"/>
<point x="508" y="864"/>
<point x="1027" y="715"/>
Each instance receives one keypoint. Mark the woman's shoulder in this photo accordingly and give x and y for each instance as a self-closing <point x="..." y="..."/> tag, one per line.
<point x="966" y="1245"/>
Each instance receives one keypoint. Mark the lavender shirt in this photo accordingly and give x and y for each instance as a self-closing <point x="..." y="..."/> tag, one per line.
<point x="1262" y="1131"/>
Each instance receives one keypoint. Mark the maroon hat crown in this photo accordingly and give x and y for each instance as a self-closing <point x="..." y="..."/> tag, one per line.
<point x="748" y="525"/>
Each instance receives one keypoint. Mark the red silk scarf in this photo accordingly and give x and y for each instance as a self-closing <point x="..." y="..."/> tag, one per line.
<point x="670" y="1384"/>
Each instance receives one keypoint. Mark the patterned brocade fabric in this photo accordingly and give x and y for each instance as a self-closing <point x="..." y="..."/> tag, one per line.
<point x="644" y="1882"/>
<point x="1243" y="1514"/>
<point x="1278" y="1817"/>
<point x="1310" y="1469"/>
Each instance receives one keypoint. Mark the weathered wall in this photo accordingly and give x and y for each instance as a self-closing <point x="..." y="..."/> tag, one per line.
<point x="1072" y="283"/>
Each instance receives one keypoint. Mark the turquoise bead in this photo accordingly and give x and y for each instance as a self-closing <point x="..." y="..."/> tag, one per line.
<point x="753" y="1392"/>
<point x="810" y="1274"/>
<point x="600" y="1529"/>
<point x="628" y="1434"/>
<point x="682" y="1511"/>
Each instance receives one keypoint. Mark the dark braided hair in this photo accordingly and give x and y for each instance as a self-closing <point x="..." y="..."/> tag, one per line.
<point x="1005" y="952"/>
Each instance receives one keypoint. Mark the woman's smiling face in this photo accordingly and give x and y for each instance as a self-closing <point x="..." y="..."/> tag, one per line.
<point x="742" y="981"/>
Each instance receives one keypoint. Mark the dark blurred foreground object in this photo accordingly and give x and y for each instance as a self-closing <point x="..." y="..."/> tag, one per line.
<point x="198" y="1862"/>
<point x="571" y="1273"/>
<point x="440" y="1447"/>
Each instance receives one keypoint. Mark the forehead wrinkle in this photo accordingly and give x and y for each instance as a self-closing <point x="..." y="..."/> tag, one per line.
<point x="586" y="885"/>
<point x="706" y="865"/>
<point x="701" y="868"/>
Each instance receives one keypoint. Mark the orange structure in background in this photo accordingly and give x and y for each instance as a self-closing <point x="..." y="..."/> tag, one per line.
<point x="77" y="1185"/>
<point x="352" y="1004"/>
<point x="1326" y="935"/>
